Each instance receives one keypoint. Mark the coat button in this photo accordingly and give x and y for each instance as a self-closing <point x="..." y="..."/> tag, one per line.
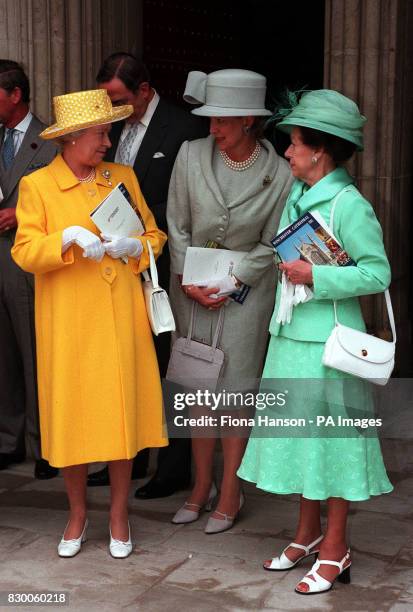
<point x="224" y="217"/>
<point x="108" y="271"/>
<point x="324" y="293"/>
<point x="222" y="229"/>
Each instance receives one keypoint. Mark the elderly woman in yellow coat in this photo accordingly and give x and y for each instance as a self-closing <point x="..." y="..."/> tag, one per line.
<point x="99" y="388"/>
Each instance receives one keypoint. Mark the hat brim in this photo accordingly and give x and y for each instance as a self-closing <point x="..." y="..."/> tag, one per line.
<point x="217" y="111"/>
<point x="286" y="125"/>
<point x="118" y="113"/>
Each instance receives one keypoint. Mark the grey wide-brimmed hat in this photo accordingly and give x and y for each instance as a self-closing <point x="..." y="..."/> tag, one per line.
<point x="227" y="93"/>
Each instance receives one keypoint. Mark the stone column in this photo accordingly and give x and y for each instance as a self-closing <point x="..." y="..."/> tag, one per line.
<point x="369" y="57"/>
<point x="61" y="43"/>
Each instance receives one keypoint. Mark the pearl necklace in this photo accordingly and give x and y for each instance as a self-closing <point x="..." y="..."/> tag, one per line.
<point x="240" y="166"/>
<point x="89" y="178"/>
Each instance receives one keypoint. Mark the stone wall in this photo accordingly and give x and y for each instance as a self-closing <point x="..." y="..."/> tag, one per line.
<point x="61" y="43"/>
<point x="369" y="57"/>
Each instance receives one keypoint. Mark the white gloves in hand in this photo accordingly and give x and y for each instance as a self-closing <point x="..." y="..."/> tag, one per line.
<point x="86" y="240"/>
<point x="122" y="247"/>
<point x="226" y="286"/>
<point x="291" y="295"/>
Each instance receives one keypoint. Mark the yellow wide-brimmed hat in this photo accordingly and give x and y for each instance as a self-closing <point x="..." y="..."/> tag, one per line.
<point x="82" y="109"/>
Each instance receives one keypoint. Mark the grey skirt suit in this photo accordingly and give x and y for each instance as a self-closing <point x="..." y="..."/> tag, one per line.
<point x="197" y="212"/>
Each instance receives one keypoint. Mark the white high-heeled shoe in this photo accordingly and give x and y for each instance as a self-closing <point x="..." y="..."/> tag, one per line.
<point x="186" y="514"/>
<point x="318" y="584"/>
<point x="283" y="563"/>
<point x="217" y="525"/>
<point x="70" y="548"/>
<point x="118" y="548"/>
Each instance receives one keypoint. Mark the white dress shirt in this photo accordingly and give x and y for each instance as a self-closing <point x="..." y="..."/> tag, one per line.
<point x="143" y="126"/>
<point x="20" y="132"/>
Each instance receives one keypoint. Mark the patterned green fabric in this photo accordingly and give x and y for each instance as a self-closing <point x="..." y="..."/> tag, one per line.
<point x="316" y="467"/>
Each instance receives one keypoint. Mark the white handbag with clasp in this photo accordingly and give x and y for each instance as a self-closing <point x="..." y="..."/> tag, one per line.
<point x="157" y="302"/>
<point x="361" y="354"/>
<point x="358" y="353"/>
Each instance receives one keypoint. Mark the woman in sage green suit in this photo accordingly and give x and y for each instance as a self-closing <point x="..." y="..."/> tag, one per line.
<point x="343" y="464"/>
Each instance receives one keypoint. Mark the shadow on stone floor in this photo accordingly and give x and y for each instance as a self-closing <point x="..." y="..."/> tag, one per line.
<point x="180" y="568"/>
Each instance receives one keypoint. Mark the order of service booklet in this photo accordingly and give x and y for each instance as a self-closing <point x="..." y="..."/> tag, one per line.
<point x="239" y="295"/>
<point x="203" y="265"/>
<point x="309" y="238"/>
<point x="117" y="216"/>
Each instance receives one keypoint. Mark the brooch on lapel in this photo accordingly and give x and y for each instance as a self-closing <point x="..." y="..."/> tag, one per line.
<point x="34" y="145"/>
<point x="106" y="175"/>
<point x="267" y="180"/>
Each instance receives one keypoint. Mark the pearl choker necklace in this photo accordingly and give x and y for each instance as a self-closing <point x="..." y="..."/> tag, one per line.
<point x="89" y="178"/>
<point x="240" y="166"/>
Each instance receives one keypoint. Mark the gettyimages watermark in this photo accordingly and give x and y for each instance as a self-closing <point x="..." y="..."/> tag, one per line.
<point x="284" y="408"/>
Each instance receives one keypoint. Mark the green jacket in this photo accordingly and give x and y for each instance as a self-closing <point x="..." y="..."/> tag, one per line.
<point x="359" y="232"/>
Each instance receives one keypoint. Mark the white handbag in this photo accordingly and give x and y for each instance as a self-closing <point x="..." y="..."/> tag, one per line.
<point x="356" y="352"/>
<point x="158" y="307"/>
<point x="361" y="354"/>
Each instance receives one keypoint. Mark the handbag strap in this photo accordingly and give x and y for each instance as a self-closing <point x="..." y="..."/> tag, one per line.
<point x="390" y="314"/>
<point x="218" y="329"/>
<point x="389" y="306"/>
<point x="152" y="265"/>
<point x="333" y="207"/>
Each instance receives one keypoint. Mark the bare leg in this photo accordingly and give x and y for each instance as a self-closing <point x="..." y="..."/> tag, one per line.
<point x="333" y="547"/>
<point x="233" y="448"/>
<point x="308" y="530"/>
<point x="120" y="479"/>
<point x="75" y="483"/>
<point x="203" y="453"/>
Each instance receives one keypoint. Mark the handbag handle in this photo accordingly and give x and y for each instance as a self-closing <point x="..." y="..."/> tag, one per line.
<point x="218" y="329"/>
<point x="389" y="306"/>
<point x="152" y="265"/>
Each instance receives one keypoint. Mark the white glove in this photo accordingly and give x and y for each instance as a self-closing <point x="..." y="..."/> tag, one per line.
<point x="285" y="308"/>
<point x="122" y="247"/>
<point x="226" y="286"/>
<point x="302" y="293"/>
<point x="291" y="295"/>
<point x="86" y="240"/>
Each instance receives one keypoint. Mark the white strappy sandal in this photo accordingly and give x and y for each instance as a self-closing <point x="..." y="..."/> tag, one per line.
<point x="283" y="563"/>
<point x="318" y="584"/>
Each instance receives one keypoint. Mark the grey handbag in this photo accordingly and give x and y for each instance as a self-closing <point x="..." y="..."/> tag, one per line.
<point x="193" y="364"/>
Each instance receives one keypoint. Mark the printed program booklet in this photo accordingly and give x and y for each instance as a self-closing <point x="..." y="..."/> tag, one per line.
<point x="117" y="215"/>
<point x="309" y="238"/>
<point x="240" y="295"/>
<point x="212" y="262"/>
<point x="202" y="265"/>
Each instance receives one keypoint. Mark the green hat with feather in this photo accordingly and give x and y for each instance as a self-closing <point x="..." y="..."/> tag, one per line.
<point x="327" y="111"/>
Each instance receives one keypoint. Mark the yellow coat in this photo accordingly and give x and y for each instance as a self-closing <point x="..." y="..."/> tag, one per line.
<point x="99" y="388"/>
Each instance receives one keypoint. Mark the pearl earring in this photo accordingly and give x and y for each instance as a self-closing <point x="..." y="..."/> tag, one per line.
<point x="314" y="160"/>
<point x="246" y="129"/>
<point x="73" y="142"/>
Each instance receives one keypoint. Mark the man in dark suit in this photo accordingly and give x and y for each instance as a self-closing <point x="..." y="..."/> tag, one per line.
<point x="149" y="141"/>
<point x="22" y="152"/>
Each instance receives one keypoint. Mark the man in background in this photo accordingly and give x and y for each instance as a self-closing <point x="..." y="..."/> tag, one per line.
<point x="149" y="141"/>
<point x="22" y="152"/>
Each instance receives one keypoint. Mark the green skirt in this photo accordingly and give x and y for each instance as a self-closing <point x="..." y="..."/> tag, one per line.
<point x="344" y="462"/>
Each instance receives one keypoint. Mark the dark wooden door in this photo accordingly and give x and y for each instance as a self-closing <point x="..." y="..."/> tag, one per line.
<point x="284" y="42"/>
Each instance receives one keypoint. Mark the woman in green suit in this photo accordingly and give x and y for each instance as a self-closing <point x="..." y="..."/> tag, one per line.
<point x="345" y="465"/>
